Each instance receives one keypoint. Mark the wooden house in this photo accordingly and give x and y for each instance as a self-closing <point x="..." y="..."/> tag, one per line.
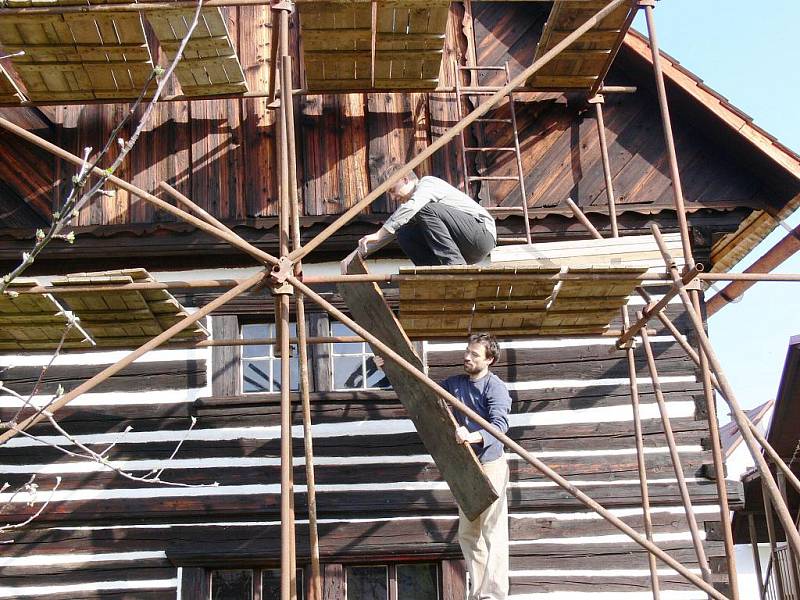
<point x="387" y="522"/>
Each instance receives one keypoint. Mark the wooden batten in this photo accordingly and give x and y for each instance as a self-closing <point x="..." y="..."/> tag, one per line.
<point x="432" y="419"/>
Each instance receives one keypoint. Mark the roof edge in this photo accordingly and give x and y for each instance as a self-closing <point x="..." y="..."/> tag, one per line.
<point x="726" y="112"/>
<point x="732" y="248"/>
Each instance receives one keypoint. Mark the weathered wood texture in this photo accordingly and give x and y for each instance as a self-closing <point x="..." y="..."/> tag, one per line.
<point x="204" y="147"/>
<point x="225" y="360"/>
<point x="432" y="419"/>
<point x="379" y="494"/>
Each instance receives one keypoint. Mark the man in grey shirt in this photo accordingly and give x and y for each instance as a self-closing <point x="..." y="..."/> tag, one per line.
<point x="437" y="224"/>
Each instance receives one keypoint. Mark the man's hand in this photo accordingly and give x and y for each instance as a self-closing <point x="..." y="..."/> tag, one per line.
<point x="365" y="243"/>
<point x="379" y="361"/>
<point x="465" y="436"/>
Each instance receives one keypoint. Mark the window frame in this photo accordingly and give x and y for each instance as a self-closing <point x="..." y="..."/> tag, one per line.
<point x="257" y="580"/>
<point x="391" y="575"/>
<point x="365" y="354"/>
<point x="273" y="359"/>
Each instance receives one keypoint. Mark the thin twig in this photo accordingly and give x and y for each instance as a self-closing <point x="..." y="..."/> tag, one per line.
<point x="27" y="401"/>
<point x="30" y="519"/>
<point x="71" y="207"/>
<point x="178" y="447"/>
<point x="89" y="454"/>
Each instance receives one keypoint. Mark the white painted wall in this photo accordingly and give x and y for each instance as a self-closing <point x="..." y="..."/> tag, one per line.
<point x="746" y="569"/>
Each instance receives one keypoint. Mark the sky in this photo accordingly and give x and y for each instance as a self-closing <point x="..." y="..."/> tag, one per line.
<point x="749" y="56"/>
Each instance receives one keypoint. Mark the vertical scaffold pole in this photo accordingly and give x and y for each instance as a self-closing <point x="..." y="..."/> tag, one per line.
<point x="751" y="528"/>
<point x="676" y="459"/>
<point x="777" y="572"/>
<point x="315" y="591"/>
<point x="601" y="132"/>
<point x="288" y="559"/>
<point x="708" y="391"/>
<point x="641" y="463"/>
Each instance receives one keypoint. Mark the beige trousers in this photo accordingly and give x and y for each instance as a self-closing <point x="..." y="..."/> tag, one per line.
<point x="484" y="541"/>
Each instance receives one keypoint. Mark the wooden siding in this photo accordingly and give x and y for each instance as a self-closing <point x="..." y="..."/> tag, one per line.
<point x="102" y="536"/>
<point x="222" y="152"/>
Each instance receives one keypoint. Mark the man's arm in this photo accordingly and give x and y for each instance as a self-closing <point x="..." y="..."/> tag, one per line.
<point x="499" y="404"/>
<point x="368" y="244"/>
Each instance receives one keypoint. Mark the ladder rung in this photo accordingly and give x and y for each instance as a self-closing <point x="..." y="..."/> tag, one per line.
<point x="493" y="121"/>
<point x="490" y="149"/>
<point x="494" y="178"/>
<point x="478" y="92"/>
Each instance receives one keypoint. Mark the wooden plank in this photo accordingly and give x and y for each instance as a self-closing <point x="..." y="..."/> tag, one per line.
<point x="172" y="375"/>
<point x="576" y="71"/>
<point x="211" y="65"/>
<point x="225" y="360"/>
<point x="259" y="153"/>
<point x="431" y="417"/>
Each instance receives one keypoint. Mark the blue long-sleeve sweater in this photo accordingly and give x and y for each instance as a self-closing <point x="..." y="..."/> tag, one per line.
<point x="487" y="396"/>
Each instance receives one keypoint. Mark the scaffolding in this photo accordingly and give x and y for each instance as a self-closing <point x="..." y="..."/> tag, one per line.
<point x="283" y="275"/>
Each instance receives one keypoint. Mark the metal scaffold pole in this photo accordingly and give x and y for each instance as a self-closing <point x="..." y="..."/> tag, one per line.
<point x="705" y="374"/>
<point x="744" y="424"/>
<point x="641" y="461"/>
<point x="282" y="293"/>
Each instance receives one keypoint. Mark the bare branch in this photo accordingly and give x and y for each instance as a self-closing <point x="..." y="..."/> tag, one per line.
<point x="30" y="519"/>
<point x="27" y="401"/>
<point x="72" y="205"/>
<point x="89" y="454"/>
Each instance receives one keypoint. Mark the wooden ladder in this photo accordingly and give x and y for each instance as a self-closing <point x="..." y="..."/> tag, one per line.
<point x="481" y="150"/>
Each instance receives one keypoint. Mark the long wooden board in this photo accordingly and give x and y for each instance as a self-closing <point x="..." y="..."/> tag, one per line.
<point x="435" y="424"/>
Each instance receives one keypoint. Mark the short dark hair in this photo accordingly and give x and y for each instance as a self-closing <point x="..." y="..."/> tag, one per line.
<point x="392" y="166"/>
<point x="488" y="341"/>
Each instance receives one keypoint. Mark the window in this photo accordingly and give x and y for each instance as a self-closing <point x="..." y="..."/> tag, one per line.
<point x="261" y="365"/>
<point x="250" y="584"/>
<point x="412" y="581"/>
<point x="353" y="366"/>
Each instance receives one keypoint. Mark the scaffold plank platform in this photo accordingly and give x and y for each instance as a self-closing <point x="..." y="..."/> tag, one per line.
<point x="582" y="66"/>
<point x="435" y="424"/>
<point x="31" y="322"/>
<point x="338" y="40"/>
<point x="77" y="56"/>
<point x="209" y="64"/>
<point x="129" y="318"/>
<point x="626" y="251"/>
<point x="517" y="300"/>
<point x="102" y="319"/>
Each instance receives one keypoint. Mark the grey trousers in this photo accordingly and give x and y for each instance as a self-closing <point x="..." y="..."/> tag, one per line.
<point x="442" y="235"/>
<point x="484" y="541"/>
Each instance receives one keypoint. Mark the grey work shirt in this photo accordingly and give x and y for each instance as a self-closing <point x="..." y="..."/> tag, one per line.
<point x="433" y="189"/>
<point x="487" y="396"/>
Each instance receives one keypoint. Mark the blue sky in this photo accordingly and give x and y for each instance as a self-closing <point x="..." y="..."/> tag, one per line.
<point x="749" y="56"/>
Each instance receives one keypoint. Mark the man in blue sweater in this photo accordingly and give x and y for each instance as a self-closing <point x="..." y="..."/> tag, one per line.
<point x="484" y="541"/>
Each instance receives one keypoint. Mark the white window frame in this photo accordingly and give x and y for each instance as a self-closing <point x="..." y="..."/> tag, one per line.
<point x="272" y="359"/>
<point x="365" y="354"/>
